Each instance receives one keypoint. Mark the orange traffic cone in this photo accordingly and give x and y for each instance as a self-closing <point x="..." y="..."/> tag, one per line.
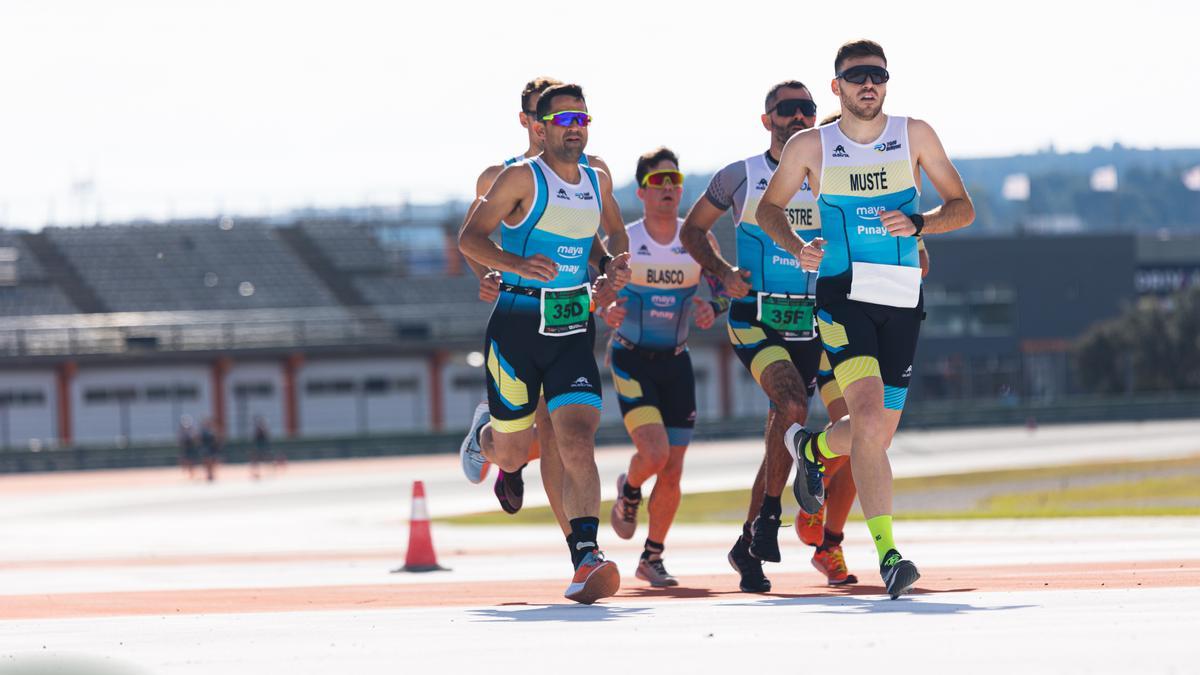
<point x="420" y="557"/>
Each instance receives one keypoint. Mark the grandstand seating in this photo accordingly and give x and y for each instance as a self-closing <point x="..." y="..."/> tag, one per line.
<point x="189" y="267"/>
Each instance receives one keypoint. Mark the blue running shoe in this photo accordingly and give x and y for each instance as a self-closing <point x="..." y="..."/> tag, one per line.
<point x="808" y="486"/>
<point x="474" y="464"/>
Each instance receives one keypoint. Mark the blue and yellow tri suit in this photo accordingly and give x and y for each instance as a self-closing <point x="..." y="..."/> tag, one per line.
<point x="541" y="334"/>
<point x="652" y="369"/>
<point x="773" y="272"/>
<point x="869" y="291"/>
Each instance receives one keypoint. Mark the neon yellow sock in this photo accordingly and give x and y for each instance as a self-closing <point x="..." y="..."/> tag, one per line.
<point x="822" y="444"/>
<point x="881" y="532"/>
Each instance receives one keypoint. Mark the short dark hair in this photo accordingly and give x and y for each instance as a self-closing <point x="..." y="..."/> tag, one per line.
<point x="548" y="94"/>
<point x="786" y="84"/>
<point x="855" y="49"/>
<point x="535" y="87"/>
<point x="830" y="119"/>
<point x="649" y="159"/>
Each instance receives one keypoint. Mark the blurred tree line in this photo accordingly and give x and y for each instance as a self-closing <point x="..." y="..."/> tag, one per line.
<point x="1153" y="346"/>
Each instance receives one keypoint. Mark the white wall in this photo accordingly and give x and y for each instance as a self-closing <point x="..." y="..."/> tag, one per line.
<point x="461" y="399"/>
<point x="240" y="411"/>
<point x="21" y="423"/>
<point x="357" y="411"/>
<point x="149" y="420"/>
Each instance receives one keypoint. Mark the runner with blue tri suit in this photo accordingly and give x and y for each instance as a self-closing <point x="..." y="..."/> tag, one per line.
<point x="651" y="366"/>
<point x="865" y="172"/>
<point x="509" y="488"/>
<point x="540" y="337"/>
<point x="771" y="323"/>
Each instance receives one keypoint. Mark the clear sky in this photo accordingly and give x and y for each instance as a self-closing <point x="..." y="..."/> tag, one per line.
<point x="181" y="108"/>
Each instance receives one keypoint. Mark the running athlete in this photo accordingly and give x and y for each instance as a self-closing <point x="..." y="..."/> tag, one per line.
<point x="865" y="171"/>
<point x="509" y="488"/>
<point x="540" y="337"/>
<point x="651" y="366"/>
<point x="770" y="323"/>
<point x="825" y="529"/>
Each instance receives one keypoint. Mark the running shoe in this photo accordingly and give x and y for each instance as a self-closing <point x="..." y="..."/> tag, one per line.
<point x="831" y="563"/>
<point x="594" y="578"/>
<point x="510" y="490"/>
<point x="764" y="540"/>
<point x="652" y="570"/>
<point x="811" y="528"/>
<point x="749" y="568"/>
<point x="474" y="464"/>
<point x="624" y="511"/>
<point x="808" y="486"/>
<point x="898" y="574"/>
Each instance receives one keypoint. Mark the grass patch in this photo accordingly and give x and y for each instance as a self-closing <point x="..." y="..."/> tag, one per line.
<point x="1145" y="488"/>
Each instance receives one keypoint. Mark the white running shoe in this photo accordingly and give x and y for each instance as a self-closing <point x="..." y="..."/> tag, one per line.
<point x="474" y="464"/>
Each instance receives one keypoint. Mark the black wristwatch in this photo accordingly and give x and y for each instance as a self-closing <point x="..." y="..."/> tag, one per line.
<point x="918" y="220"/>
<point x="603" y="264"/>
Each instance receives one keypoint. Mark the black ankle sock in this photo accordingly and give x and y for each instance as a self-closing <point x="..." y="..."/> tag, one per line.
<point x="654" y="549"/>
<point x="631" y="493"/>
<point x="571" y="545"/>
<point x="583" y="530"/>
<point x="831" y="539"/>
<point x="771" y="506"/>
<point x="747" y="534"/>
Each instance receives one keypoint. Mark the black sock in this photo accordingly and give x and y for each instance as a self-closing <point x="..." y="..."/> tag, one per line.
<point x="633" y="494"/>
<point x="571" y="545"/>
<point x="584" y="531"/>
<point x="831" y="539"/>
<point x="518" y="471"/>
<point x="771" y="506"/>
<point x="654" y="549"/>
<point x="747" y="535"/>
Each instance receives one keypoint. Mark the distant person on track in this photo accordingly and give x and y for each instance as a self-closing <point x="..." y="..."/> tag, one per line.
<point x="541" y="334"/>
<point x="210" y="444"/>
<point x="651" y="366"/>
<point x="510" y="487"/>
<point x="189" y="445"/>
<point x="865" y="172"/>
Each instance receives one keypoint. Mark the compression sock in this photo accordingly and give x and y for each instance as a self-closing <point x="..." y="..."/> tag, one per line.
<point x="822" y="447"/>
<point x="881" y="533"/>
<point x="584" y="531"/>
<point x="633" y="494"/>
<point x="653" y="550"/>
<point x="771" y="507"/>
<point x="831" y="539"/>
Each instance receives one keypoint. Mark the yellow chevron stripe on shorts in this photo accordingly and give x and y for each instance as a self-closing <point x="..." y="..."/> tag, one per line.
<point x="766" y="357"/>
<point x="832" y="334"/>
<point x="746" y="336"/>
<point x="854" y="369"/>
<point x="627" y="388"/>
<point x="641" y="416"/>
<point x="512" y="389"/>
<point x="512" y="426"/>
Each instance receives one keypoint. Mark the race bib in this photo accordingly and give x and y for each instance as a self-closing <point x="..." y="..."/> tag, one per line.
<point x="891" y="285"/>
<point x="565" y="311"/>
<point x="789" y="315"/>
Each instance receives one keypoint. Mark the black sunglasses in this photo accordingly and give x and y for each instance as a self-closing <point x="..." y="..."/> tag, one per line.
<point x="859" y="74"/>
<point x="788" y="107"/>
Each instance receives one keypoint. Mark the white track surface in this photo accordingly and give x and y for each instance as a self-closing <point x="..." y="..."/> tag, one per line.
<point x="145" y="572"/>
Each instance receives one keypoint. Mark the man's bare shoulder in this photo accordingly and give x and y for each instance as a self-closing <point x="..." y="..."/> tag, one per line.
<point x="596" y="162"/>
<point x="487" y="178"/>
<point x="919" y="130"/>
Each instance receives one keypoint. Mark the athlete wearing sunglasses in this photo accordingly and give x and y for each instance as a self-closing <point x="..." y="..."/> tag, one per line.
<point x="651" y="365"/>
<point x="540" y="336"/>
<point x="509" y="488"/>
<point x="866" y="171"/>
<point x="770" y="321"/>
